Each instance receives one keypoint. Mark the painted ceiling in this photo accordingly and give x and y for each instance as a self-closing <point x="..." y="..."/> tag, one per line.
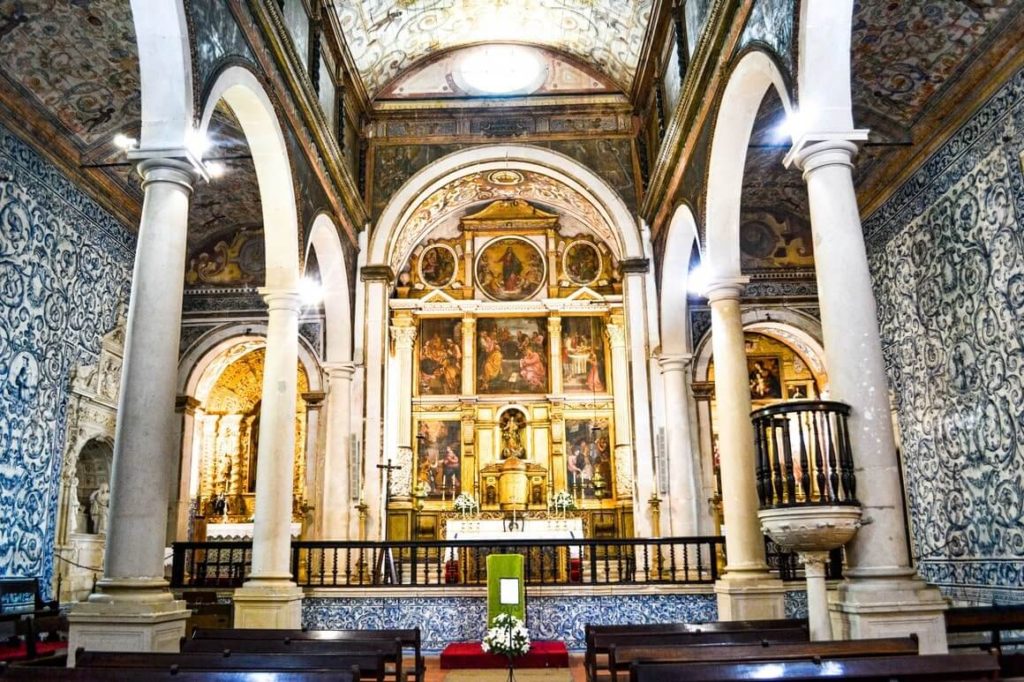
<point x="386" y="37"/>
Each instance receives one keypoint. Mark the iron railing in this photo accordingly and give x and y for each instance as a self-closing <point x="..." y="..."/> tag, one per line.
<point x="803" y="454"/>
<point x="446" y="563"/>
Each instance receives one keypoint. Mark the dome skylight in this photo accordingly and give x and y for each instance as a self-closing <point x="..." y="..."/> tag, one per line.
<point x="501" y="70"/>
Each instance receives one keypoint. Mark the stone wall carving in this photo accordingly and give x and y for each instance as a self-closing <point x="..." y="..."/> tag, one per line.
<point x="948" y="264"/>
<point x="65" y="266"/>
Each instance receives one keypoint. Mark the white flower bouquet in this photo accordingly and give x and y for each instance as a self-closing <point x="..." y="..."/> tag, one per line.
<point x="562" y="502"/>
<point x="466" y="504"/>
<point x="507" y="636"/>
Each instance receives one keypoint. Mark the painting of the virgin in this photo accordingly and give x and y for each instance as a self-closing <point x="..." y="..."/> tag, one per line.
<point x="510" y="269"/>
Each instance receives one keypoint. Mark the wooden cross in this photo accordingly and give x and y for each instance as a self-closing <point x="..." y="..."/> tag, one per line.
<point x="385" y="474"/>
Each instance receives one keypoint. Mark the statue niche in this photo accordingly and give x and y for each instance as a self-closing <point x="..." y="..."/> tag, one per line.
<point x="512" y="424"/>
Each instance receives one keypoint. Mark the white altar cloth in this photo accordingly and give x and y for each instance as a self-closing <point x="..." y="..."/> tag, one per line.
<point x="239" y="531"/>
<point x="529" y="529"/>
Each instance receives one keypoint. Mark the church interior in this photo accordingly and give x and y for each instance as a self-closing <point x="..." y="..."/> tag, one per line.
<point x="711" y="310"/>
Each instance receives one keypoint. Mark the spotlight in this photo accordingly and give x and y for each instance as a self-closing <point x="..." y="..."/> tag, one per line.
<point x="215" y="169"/>
<point x="310" y="291"/>
<point x="125" y="143"/>
<point x="697" y="280"/>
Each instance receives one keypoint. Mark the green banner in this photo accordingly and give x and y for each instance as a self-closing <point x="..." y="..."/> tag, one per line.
<point x="506" y="587"/>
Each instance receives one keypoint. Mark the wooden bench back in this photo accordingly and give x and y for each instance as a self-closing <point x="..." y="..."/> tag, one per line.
<point x="391" y="650"/>
<point x="40" y="674"/>
<point x="621" y="657"/>
<point x="370" y="665"/>
<point x="11" y="586"/>
<point x="934" y="668"/>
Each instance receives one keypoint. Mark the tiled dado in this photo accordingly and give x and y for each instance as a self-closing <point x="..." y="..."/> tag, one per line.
<point x="460" y="617"/>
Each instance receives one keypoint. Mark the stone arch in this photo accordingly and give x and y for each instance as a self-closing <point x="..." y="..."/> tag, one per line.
<point x="248" y="100"/>
<point x="516" y="157"/>
<point x="674" y="315"/>
<point x="325" y="243"/>
<point x="823" y="73"/>
<point x="749" y="81"/>
<point x="165" y="69"/>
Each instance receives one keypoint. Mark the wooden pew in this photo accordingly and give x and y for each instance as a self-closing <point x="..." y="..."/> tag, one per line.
<point x="410" y="638"/>
<point x="370" y="664"/>
<point x="27" y="615"/>
<point x="391" y="650"/>
<point x="601" y="642"/>
<point x="26" y="674"/>
<point x="992" y="620"/>
<point x="620" y="657"/>
<point x="935" y="668"/>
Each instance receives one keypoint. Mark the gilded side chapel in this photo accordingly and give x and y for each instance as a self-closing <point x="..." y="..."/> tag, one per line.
<point x="709" y="310"/>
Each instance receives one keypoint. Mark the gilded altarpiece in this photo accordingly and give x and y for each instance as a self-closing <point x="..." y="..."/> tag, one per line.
<point x="510" y="363"/>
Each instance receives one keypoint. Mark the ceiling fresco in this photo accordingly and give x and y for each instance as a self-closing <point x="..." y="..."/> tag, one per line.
<point x="78" y="60"/>
<point x="459" y="197"/>
<point x="905" y="52"/>
<point x="386" y="37"/>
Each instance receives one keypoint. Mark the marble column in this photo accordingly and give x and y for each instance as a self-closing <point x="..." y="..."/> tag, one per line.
<point x="181" y="488"/>
<point x="882" y="595"/>
<point x="555" y="344"/>
<point x="620" y="394"/>
<point x="747" y="591"/>
<point x="269" y="598"/>
<point x="682" y="461"/>
<point x="337" y="506"/>
<point x="636" y="281"/>
<point x="132" y="608"/>
<point x="403" y="332"/>
<point x="376" y="282"/>
<point x="468" y="354"/>
<point x="313" y="475"/>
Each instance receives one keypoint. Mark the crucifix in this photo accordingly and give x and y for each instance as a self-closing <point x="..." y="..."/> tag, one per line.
<point x="385" y="479"/>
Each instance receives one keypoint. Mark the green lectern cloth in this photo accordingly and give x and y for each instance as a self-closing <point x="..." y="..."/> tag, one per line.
<point x="504" y="566"/>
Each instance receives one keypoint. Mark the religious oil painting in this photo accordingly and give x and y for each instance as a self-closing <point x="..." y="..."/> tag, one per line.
<point x="588" y="458"/>
<point x="437" y="265"/>
<point x="440" y="356"/>
<point x="582" y="262"/>
<point x="800" y="390"/>
<point x="510" y="269"/>
<point x="439" y="459"/>
<point x="765" y="376"/>
<point x="583" y="358"/>
<point x="512" y="355"/>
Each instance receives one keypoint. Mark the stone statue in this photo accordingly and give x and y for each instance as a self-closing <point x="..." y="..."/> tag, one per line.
<point x="512" y="424"/>
<point x="73" y="505"/>
<point x="99" y="506"/>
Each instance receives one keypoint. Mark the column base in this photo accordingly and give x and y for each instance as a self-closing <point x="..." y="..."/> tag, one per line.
<point x="127" y="616"/>
<point x="751" y="598"/>
<point x="268" y="604"/>
<point x="894" y="606"/>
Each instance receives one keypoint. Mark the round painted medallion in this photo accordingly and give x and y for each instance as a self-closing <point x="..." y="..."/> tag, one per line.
<point x="437" y="265"/>
<point x="582" y="262"/>
<point x="510" y="269"/>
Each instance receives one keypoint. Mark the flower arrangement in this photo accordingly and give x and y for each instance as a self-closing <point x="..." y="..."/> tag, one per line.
<point x="562" y="502"/>
<point x="507" y="636"/>
<point x="466" y="504"/>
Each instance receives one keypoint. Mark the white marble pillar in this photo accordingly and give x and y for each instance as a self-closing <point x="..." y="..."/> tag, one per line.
<point x="376" y="282"/>
<point x="883" y="594"/>
<point x="269" y="598"/>
<point x="468" y="354"/>
<point x="337" y="503"/>
<point x="682" y="460"/>
<point x="403" y="332"/>
<point x="132" y="607"/>
<point x="635" y="299"/>
<point x="313" y="483"/>
<point x="620" y="395"/>
<point x="555" y="348"/>
<point x="181" y="497"/>
<point x="747" y="590"/>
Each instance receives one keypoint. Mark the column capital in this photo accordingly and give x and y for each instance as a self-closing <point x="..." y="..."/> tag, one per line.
<point x="616" y="334"/>
<point x="377" y="273"/>
<point x="725" y="288"/>
<point x="403" y="335"/>
<point x="341" y="370"/>
<point x="674" y="363"/>
<point x="185" y="404"/>
<point x="313" y="399"/>
<point x="631" y="266"/>
<point x="809" y="155"/>
<point x="163" y="169"/>
<point x="281" y="299"/>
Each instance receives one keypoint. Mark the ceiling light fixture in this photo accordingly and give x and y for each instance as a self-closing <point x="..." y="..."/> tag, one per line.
<point x="125" y="143"/>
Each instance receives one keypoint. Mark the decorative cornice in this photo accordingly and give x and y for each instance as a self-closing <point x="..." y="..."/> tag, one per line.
<point x="630" y="266"/>
<point x="377" y="273"/>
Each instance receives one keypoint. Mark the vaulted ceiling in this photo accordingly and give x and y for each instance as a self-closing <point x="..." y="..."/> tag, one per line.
<point x="386" y="37"/>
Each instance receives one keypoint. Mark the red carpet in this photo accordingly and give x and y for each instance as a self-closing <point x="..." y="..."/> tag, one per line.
<point x="542" y="654"/>
<point x="16" y="652"/>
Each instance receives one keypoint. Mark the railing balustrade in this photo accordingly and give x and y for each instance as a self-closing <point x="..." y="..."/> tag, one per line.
<point x="803" y="454"/>
<point x="339" y="564"/>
